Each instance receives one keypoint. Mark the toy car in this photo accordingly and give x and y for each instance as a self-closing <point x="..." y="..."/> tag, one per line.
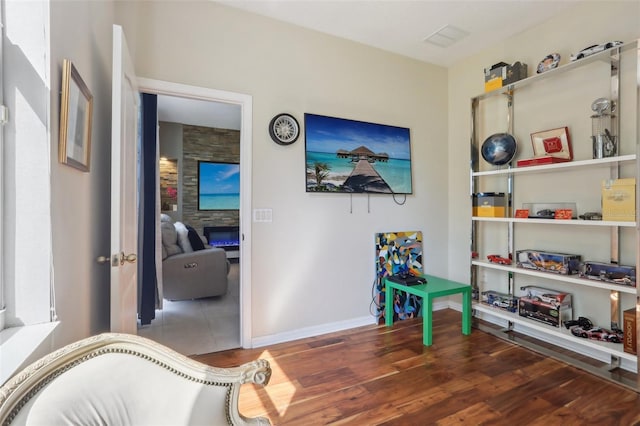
<point x="591" y="216"/>
<point x="494" y="258"/>
<point x="583" y="322"/>
<point x="588" y="51"/>
<point x="546" y="214"/>
<point x="548" y="298"/>
<point x="598" y="333"/>
<point x="500" y="300"/>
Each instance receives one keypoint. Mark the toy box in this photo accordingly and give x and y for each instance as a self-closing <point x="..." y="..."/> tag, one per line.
<point x="489" y="204"/>
<point x="548" y="210"/>
<point x="609" y="272"/>
<point x="558" y="263"/>
<point x="502" y="74"/>
<point x="629" y="328"/>
<point x="503" y="301"/>
<point x="544" y="305"/>
<point x="619" y="200"/>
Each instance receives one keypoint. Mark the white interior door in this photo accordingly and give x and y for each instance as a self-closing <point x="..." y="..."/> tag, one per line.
<point x="124" y="204"/>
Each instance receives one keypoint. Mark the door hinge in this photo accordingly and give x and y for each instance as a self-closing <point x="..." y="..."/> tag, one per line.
<point x="4" y="115"/>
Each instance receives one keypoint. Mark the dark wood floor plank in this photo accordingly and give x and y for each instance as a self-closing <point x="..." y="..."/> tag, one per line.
<point x="473" y="415"/>
<point x="375" y="375"/>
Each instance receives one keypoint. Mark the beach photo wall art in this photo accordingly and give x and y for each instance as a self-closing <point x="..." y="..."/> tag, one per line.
<point x="218" y="186"/>
<point x="349" y="156"/>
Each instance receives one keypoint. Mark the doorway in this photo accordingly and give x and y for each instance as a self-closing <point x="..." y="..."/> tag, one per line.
<point x="230" y="106"/>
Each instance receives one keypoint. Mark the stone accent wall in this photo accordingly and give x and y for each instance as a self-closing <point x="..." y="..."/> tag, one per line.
<point x="168" y="184"/>
<point x="206" y="144"/>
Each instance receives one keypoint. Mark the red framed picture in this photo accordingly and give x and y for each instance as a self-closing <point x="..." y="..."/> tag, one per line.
<point x="552" y="143"/>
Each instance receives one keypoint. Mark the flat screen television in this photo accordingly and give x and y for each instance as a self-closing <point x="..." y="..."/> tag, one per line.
<point x="349" y="156"/>
<point x="218" y="186"/>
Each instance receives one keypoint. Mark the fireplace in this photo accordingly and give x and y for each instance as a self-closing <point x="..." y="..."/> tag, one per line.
<point x="224" y="237"/>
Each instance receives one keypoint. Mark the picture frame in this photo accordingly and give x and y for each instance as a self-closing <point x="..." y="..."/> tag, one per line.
<point x="76" y="110"/>
<point x="350" y="156"/>
<point x="554" y="143"/>
<point x="218" y="185"/>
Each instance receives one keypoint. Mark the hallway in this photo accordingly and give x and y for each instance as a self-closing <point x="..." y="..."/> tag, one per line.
<point x="199" y="326"/>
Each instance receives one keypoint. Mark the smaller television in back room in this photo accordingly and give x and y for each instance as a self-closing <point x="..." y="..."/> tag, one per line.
<point x="218" y="186"/>
<point x="349" y="156"/>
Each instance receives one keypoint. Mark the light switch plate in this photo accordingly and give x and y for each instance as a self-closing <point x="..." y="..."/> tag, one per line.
<point x="262" y="215"/>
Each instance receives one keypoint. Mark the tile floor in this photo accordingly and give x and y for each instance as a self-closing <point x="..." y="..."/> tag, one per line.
<point x="200" y="326"/>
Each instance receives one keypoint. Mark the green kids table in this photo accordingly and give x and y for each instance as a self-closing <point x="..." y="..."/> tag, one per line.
<point x="435" y="287"/>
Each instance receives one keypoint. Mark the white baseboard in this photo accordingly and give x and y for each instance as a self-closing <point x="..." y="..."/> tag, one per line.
<point x="313" y="331"/>
<point x="444" y="304"/>
<point x="319" y="330"/>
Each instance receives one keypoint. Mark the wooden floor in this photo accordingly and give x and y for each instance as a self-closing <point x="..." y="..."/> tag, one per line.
<point x="385" y="376"/>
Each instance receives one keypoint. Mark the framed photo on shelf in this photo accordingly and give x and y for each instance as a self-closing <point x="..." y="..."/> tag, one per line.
<point x="554" y="143"/>
<point x="76" y="108"/>
<point x="549" y="146"/>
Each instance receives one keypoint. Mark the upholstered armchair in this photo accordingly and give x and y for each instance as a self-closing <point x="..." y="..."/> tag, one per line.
<point x="190" y="268"/>
<point x="121" y="379"/>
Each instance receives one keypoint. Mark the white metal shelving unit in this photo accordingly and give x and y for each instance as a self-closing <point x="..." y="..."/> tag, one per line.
<point x="612" y="166"/>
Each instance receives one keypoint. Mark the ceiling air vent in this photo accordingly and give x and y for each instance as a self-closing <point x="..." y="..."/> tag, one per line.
<point x="446" y="36"/>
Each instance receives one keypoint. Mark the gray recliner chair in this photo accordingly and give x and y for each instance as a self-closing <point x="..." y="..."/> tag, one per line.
<point x="189" y="274"/>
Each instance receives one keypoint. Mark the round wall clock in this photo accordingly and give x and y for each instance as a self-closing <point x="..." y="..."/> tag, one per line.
<point x="284" y="129"/>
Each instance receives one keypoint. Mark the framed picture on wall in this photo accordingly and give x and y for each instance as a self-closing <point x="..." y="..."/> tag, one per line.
<point x="218" y="186"/>
<point x="349" y="156"/>
<point x="76" y="108"/>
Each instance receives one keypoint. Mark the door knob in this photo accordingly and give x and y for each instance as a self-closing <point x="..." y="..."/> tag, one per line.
<point x="118" y="259"/>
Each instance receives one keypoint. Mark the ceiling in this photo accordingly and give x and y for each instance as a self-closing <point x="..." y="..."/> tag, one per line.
<point x="198" y="113"/>
<point x="398" y="26"/>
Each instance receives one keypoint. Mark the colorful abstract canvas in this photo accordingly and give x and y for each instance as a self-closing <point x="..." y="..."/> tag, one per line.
<point x="398" y="252"/>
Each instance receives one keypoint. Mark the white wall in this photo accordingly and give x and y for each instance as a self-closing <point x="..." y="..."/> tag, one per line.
<point x="80" y="202"/>
<point x="314" y="264"/>
<point x="586" y="24"/>
<point x="26" y="222"/>
<point x="56" y="218"/>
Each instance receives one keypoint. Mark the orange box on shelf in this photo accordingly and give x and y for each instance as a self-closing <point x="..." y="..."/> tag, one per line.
<point x="522" y="213"/>
<point x="563" y="214"/>
<point x="629" y="329"/>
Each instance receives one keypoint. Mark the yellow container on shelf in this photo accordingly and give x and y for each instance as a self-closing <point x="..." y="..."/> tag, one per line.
<point x="493" y="84"/>
<point x="619" y="200"/>
<point x="489" y="204"/>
